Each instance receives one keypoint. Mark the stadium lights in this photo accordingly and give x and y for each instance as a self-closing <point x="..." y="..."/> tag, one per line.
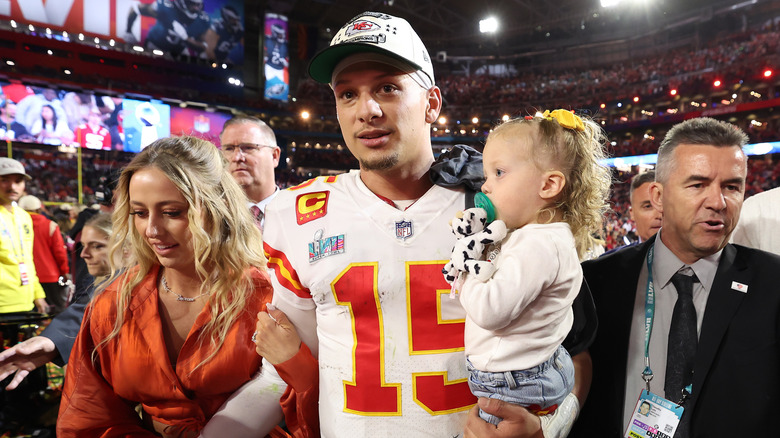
<point x="603" y="105"/>
<point x="673" y="92"/>
<point x="13" y="24"/>
<point x="305" y="115"/>
<point x="138" y="48"/>
<point x="81" y="37"/>
<point x="475" y="120"/>
<point x="717" y="83"/>
<point x="488" y="25"/>
<point x="158" y="52"/>
<point x="31" y="27"/>
<point x="505" y="117"/>
<point x="636" y="99"/>
<point x="48" y="31"/>
<point x="442" y="120"/>
<point x="768" y="73"/>
<point x="111" y="42"/>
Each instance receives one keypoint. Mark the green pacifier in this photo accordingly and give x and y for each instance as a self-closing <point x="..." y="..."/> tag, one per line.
<point x="482" y="201"/>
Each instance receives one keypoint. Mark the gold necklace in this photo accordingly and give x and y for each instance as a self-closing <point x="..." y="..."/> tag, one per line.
<point x="178" y="296"/>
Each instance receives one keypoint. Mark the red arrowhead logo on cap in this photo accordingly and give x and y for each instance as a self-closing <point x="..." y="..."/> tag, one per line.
<point x="362" y="26"/>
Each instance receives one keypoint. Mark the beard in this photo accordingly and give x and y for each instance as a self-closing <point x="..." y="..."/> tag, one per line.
<point x="380" y="163"/>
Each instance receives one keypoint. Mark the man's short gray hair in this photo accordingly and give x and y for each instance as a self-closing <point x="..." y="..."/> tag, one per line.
<point x="698" y="131"/>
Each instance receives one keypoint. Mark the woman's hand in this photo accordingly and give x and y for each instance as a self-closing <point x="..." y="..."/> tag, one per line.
<point x="276" y="338"/>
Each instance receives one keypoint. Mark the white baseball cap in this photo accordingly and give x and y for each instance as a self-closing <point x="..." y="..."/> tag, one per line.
<point x="29" y="203"/>
<point x="9" y="166"/>
<point x="373" y="32"/>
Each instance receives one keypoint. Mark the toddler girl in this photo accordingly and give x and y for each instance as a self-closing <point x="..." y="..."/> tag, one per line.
<point x="522" y="271"/>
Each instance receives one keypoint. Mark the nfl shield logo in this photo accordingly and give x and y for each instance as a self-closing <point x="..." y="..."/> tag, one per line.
<point x="403" y="229"/>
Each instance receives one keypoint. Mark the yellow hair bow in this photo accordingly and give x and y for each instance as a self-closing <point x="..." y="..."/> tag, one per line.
<point x="565" y="118"/>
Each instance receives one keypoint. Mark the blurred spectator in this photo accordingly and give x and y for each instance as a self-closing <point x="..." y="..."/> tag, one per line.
<point x="10" y="129"/>
<point x="50" y="129"/>
<point x="29" y="108"/>
<point x="49" y="254"/>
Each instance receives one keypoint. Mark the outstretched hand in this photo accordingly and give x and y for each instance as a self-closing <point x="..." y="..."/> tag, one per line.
<point x="25" y="357"/>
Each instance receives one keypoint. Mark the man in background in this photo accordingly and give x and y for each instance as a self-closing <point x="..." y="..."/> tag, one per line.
<point x="20" y="290"/>
<point x="250" y="147"/>
<point x="646" y="218"/>
<point x="49" y="254"/>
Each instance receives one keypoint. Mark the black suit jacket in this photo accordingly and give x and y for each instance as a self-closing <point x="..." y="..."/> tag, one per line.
<point x="736" y="386"/>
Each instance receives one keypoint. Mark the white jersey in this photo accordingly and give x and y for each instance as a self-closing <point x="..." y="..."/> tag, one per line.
<point x="372" y="274"/>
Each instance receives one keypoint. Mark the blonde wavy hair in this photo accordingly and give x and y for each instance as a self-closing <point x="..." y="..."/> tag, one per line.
<point x="225" y="240"/>
<point x="576" y="154"/>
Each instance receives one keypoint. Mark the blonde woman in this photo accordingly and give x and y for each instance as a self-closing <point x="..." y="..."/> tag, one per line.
<point x="172" y="333"/>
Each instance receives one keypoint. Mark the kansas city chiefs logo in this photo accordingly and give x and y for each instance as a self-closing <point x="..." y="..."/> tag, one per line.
<point x="362" y="26"/>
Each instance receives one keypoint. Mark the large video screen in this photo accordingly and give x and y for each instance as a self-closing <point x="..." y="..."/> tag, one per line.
<point x="198" y="123"/>
<point x="210" y="29"/>
<point x="56" y="117"/>
<point x="276" y="58"/>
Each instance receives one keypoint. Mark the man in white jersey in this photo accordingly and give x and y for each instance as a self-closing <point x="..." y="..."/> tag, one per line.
<point x="356" y="258"/>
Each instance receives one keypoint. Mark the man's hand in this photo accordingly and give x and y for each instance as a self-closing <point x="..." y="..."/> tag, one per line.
<point x="517" y="421"/>
<point x="41" y="305"/>
<point x="25" y="357"/>
<point x="276" y="338"/>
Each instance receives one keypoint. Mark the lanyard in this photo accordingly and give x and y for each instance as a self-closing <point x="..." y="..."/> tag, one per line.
<point x="647" y="373"/>
<point x="7" y="229"/>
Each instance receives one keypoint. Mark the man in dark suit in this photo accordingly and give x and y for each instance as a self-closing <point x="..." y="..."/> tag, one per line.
<point x="735" y="375"/>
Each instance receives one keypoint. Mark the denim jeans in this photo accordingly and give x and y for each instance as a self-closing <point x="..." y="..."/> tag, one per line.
<point x="541" y="388"/>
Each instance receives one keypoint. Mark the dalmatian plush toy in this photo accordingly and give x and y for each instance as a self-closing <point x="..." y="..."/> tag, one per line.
<point x="474" y="235"/>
